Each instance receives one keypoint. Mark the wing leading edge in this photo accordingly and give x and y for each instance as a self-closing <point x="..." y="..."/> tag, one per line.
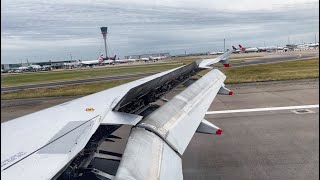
<point x="157" y="142"/>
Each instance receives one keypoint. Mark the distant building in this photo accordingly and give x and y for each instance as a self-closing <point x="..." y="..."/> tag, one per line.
<point x="146" y="55"/>
<point x="52" y="64"/>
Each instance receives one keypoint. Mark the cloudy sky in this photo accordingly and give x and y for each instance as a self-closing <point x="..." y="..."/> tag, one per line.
<point x="41" y="30"/>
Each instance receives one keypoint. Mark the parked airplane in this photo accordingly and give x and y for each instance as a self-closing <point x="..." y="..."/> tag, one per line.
<point x="212" y="53"/>
<point x="93" y="62"/>
<point x="250" y="49"/>
<point x="314" y="45"/>
<point x="267" y="48"/>
<point x="302" y="46"/>
<point x="159" y="57"/>
<point x="119" y="61"/>
<point x="308" y="46"/>
<point x="61" y="142"/>
<point x="215" y="53"/>
<point x="145" y="59"/>
<point x="99" y="61"/>
<point x="235" y="50"/>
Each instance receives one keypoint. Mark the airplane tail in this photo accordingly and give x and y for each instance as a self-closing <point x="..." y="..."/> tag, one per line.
<point x="241" y="47"/>
<point x="234" y="48"/>
<point x="100" y="59"/>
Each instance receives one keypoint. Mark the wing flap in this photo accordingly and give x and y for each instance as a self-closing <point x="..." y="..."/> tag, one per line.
<point x="177" y="120"/>
<point x="148" y="157"/>
<point x="155" y="145"/>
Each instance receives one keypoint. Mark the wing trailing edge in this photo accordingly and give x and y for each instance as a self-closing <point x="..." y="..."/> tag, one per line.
<point x="157" y="142"/>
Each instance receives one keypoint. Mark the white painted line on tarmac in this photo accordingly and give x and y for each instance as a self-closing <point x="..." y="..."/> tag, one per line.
<point x="264" y="109"/>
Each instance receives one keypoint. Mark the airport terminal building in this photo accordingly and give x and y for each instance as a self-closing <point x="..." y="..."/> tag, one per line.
<point x="147" y="55"/>
<point x="52" y="64"/>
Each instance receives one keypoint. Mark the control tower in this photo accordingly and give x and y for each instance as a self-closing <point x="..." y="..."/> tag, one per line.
<point x="104" y="31"/>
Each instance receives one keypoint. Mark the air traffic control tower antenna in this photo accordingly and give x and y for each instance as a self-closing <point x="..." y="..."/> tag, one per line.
<point x="104" y="31"/>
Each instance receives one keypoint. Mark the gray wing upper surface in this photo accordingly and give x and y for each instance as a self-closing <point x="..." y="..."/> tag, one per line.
<point x="41" y="144"/>
<point x="157" y="142"/>
<point x="29" y="144"/>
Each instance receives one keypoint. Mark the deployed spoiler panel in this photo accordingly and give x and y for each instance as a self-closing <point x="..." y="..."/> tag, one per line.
<point x="152" y="90"/>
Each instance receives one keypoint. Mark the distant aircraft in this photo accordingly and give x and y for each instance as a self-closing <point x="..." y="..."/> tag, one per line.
<point x="212" y="53"/>
<point x="156" y="58"/>
<point x="308" y="46"/>
<point x="145" y="59"/>
<point x="93" y="62"/>
<point x="62" y="141"/>
<point x="250" y="49"/>
<point x="267" y="48"/>
<point x="302" y="46"/>
<point x="314" y="45"/>
<point x="291" y="46"/>
<point x="215" y="53"/>
<point x="235" y="50"/>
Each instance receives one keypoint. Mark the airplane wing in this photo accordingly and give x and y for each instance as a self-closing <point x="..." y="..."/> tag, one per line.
<point x="156" y="143"/>
<point x="222" y="58"/>
<point x="44" y="144"/>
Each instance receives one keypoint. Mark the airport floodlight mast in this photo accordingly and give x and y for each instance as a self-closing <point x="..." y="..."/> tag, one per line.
<point x="104" y="31"/>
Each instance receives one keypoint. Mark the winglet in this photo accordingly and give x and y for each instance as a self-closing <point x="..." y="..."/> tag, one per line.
<point x="224" y="59"/>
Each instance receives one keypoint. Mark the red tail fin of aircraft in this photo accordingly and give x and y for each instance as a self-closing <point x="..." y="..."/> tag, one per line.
<point x="100" y="59"/>
<point x="242" y="48"/>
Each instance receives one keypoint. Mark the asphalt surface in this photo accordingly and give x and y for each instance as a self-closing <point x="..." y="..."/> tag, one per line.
<point x="256" y="145"/>
<point x="257" y="60"/>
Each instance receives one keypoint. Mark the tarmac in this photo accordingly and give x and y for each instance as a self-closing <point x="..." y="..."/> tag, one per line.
<point x="257" y="145"/>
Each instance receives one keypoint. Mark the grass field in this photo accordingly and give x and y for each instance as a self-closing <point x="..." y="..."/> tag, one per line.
<point x="290" y="70"/>
<point x="34" y="78"/>
<point x="45" y="77"/>
<point x="70" y="90"/>
<point x="299" y="69"/>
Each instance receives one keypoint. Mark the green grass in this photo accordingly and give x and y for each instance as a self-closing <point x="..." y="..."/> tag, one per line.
<point x="290" y="70"/>
<point x="64" y="75"/>
<point x="43" y="77"/>
<point x="69" y="90"/>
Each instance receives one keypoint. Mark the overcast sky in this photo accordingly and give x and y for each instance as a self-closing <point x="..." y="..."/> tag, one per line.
<point x="41" y="30"/>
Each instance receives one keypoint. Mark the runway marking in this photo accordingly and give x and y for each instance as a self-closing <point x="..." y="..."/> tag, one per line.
<point x="264" y="109"/>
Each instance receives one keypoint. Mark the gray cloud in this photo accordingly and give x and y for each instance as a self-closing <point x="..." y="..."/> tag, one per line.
<point x="40" y="30"/>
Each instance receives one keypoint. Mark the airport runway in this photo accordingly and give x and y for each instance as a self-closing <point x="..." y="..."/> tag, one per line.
<point x="258" y="145"/>
<point x="251" y="61"/>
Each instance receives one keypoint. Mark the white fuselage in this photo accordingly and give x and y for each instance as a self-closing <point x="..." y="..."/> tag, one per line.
<point x="253" y="49"/>
<point x="144" y="59"/>
<point x="90" y="62"/>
